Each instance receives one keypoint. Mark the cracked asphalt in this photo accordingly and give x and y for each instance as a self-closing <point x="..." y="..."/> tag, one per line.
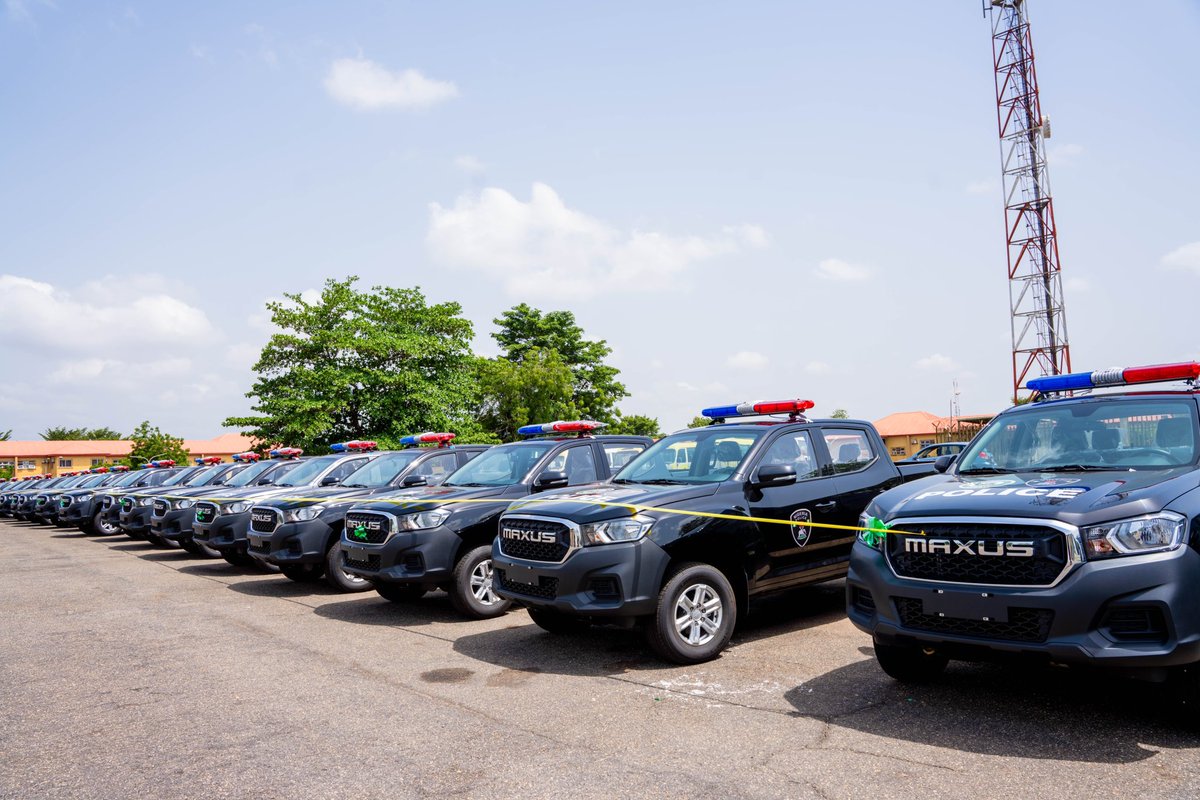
<point x="128" y="671"/>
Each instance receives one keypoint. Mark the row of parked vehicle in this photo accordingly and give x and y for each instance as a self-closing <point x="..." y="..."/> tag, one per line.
<point x="1067" y="531"/>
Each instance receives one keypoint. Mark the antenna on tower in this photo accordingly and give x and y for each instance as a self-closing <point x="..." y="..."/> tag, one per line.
<point x="955" y="411"/>
<point x="1037" y="314"/>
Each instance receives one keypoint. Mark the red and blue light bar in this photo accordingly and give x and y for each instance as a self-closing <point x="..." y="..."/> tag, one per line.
<point x="286" y="452"/>
<point x="572" y="426"/>
<point x="247" y="456"/>
<point x="758" y="409"/>
<point x="1115" y="376"/>
<point x="356" y="445"/>
<point x="440" y="439"/>
<point x="208" y="460"/>
<point x="166" y="462"/>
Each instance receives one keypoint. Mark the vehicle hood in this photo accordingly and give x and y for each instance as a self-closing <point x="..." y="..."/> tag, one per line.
<point x="609" y="501"/>
<point x="423" y="498"/>
<point x="222" y="494"/>
<point x="310" y="497"/>
<point x="1078" y="498"/>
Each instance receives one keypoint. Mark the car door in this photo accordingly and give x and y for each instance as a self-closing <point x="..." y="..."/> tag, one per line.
<point x="859" y="472"/>
<point x="794" y="548"/>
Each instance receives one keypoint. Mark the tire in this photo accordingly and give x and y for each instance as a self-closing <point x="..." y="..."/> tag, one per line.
<point x="471" y="594"/>
<point x="400" y="592"/>
<point x="552" y="621"/>
<point x="1183" y="694"/>
<point x="695" y="615"/>
<point x="910" y="663"/>
<point x="101" y="526"/>
<point x="337" y="577"/>
<point x="303" y="573"/>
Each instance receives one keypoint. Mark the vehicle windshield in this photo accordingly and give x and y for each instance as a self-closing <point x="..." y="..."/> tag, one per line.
<point x="505" y="465"/>
<point x="700" y="455"/>
<point x="381" y="471"/>
<point x="95" y="480"/>
<point x="126" y="479"/>
<point x="308" y="471"/>
<point x="1066" y="437"/>
<point x="250" y="474"/>
<point x="203" y="477"/>
<point x="178" y="477"/>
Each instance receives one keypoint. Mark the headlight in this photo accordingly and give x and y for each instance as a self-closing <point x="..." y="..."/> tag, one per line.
<point x="147" y="501"/>
<point x="626" y="529"/>
<point x="84" y="497"/>
<point x="874" y="535"/>
<point x="183" y="503"/>
<point x="302" y="514"/>
<point x="240" y="507"/>
<point x="422" y="520"/>
<point x="1154" y="533"/>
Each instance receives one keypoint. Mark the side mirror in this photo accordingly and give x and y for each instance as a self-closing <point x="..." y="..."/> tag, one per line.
<point x="264" y="482"/>
<point x="550" y="480"/>
<point x="942" y="463"/>
<point x="414" y="480"/>
<point x="775" y="475"/>
<point x="329" y="480"/>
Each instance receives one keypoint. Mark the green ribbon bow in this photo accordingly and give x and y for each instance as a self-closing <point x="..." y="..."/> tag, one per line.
<point x="876" y="531"/>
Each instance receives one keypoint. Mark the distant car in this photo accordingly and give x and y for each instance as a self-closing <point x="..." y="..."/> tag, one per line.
<point x="933" y="451"/>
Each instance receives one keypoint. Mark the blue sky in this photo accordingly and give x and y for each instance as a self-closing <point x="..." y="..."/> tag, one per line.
<point x="748" y="201"/>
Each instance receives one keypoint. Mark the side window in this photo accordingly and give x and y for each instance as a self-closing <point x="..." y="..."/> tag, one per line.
<point x="794" y="450"/>
<point x="579" y="464"/>
<point x="619" y="455"/>
<point x="849" y="449"/>
<point x="345" y="468"/>
<point x="470" y="454"/>
<point x="436" y="468"/>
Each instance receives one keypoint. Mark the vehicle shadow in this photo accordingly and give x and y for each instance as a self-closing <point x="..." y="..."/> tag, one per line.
<point x="1019" y="711"/>
<point x="159" y="554"/>
<point x="218" y="567"/>
<point x="133" y="546"/>
<point x="368" y="608"/>
<point x="279" y="586"/>
<point x="75" y="535"/>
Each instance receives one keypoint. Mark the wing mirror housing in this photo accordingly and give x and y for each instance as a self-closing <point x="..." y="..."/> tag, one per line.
<point x="942" y="463"/>
<point x="775" y="475"/>
<point x="550" y="480"/>
<point x="329" y="480"/>
<point x="414" y="480"/>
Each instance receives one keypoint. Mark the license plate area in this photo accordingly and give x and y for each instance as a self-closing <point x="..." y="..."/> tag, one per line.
<point x="983" y="606"/>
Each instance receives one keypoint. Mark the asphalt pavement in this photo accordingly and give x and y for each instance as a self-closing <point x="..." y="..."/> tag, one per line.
<point x="130" y="671"/>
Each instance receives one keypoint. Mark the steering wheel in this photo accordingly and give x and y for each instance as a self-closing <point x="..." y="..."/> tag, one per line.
<point x="1172" y="459"/>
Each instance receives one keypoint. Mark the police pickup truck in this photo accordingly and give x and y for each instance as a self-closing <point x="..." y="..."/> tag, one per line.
<point x="44" y="507"/>
<point x="415" y="540"/>
<point x="1067" y="533"/>
<point x="83" y="508"/>
<point x="682" y="549"/>
<point x="111" y="504"/>
<point x="136" y="506"/>
<point x="301" y="535"/>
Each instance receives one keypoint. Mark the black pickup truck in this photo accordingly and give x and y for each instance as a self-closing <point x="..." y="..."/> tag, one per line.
<point x="681" y="545"/>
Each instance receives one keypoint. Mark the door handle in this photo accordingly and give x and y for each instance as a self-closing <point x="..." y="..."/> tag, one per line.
<point x="827" y="506"/>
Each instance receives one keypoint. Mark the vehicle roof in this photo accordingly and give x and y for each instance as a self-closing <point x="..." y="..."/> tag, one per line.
<point x="1099" y="397"/>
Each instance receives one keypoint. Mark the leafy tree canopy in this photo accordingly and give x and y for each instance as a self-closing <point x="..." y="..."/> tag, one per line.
<point x="636" y="425"/>
<point x="700" y="422"/>
<point x="62" y="434"/>
<point x="5" y="435"/>
<point x="151" y="443"/>
<point x="537" y="388"/>
<point x="597" y="391"/>
<point x="374" y="364"/>
<point x="839" y="413"/>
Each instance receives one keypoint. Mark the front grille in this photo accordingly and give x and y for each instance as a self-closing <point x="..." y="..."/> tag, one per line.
<point x="546" y="588"/>
<point x="958" y="566"/>
<point x="40" y="501"/>
<point x="371" y="562"/>
<point x="1135" y="624"/>
<point x="522" y="538"/>
<point x="107" y="502"/>
<point x="262" y="548"/>
<point x="264" y="520"/>
<point x="1024" y="624"/>
<point x="161" y="507"/>
<point x="126" y="504"/>
<point x="66" y="501"/>
<point x="364" y="527"/>
<point x="206" y="512"/>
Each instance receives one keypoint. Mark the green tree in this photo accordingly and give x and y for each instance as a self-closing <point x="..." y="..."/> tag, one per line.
<point x="537" y="388"/>
<point x="151" y="443"/>
<point x="376" y="364"/>
<point x="596" y="388"/>
<point x="5" y="472"/>
<point x="62" y="433"/>
<point x="636" y="425"/>
<point x="839" y="413"/>
<point x="5" y="435"/>
<point x="699" y="422"/>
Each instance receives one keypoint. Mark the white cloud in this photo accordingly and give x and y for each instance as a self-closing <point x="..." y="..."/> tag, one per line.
<point x="1184" y="257"/>
<point x="469" y="164"/>
<point x="834" y="269"/>
<point x="105" y="313"/>
<point x="937" y="363"/>
<point x="1077" y="284"/>
<point x="363" y="84"/>
<point x="818" y="368"/>
<point x="543" y="248"/>
<point x="981" y="187"/>
<point x="91" y="369"/>
<point x="747" y="359"/>
<point x="200" y="52"/>
<point x="1063" y="155"/>
<point x="20" y="11"/>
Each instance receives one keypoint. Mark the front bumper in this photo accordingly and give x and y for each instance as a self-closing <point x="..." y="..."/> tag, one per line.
<point x="414" y="557"/>
<point x="136" y="520"/>
<point x="611" y="580"/>
<point x="175" y="525"/>
<point x="1088" y="618"/>
<point x="78" y="513"/>
<point x="225" y="532"/>
<point x="292" y="543"/>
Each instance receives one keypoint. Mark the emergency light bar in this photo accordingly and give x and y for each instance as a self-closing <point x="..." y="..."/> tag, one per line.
<point x="287" y="452"/>
<point x="574" y="426"/>
<point x="251" y="457"/>
<point x="440" y="439"/>
<point x="166" y="462"/>
<point x="1115" y="376"/>
<point x="758" y="409"/>
<point x="344" y="447"/>
<point x="208" y="460"/>
<point x="119" y="468"/>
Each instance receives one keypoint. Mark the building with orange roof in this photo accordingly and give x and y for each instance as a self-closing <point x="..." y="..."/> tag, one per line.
<point x="56" y="458"/>
<point x="906" y="432"/>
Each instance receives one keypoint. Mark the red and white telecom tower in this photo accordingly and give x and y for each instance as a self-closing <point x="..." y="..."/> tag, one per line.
<point x="1038" y="319"/>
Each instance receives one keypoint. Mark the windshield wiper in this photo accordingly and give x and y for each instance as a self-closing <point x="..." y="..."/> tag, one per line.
<point x="989" y="470"/>
<point x="473" y="484"/>
<point x="621" y="480"/>
<point x="663" y="481"/>
<point x="1075" y="468"/>
<point x="355" y="486"/>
